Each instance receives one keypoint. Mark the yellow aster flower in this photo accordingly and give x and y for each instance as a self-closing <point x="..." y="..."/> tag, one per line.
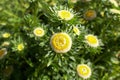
<point x="3" y="52"/>
<point x="20" y="47"/>
<point x="76" y="30"/>
<point x="84" y="71"/>
<point x="61" y="42"/>
<point x="6" y="35"/>
<point x="39" y="32"/>
<point x="92" y="40"/>
<point x="65" y="15"/>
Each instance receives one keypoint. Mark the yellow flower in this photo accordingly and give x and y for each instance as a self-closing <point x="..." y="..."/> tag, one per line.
<point x="115" y="11"/>
<point x="114" y="2"/>
<point x="65" y="15"/>
<point x="76" y="30"/>
<point x="20" y="47"/>
<point x="84" y="71"/>
<point x="3" y="52"/>
<point x="6" y="35"/>
<point x="61" y="42"/>
<point x="90" y="14"/>
<point x="92" y="40"/>
<point x="39" y="32"/>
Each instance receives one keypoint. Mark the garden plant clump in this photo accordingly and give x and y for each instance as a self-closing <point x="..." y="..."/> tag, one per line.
<point x="59" y="40"/>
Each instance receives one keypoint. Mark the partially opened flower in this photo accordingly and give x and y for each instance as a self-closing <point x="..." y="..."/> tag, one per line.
<point x="61" y="42"/>
<point x="3" y="52"/>
<point x="6" y="35"/>
<point x="116" y="11"/>
<point x="92" y="40"/>
<point x="20" y="47"/>
<point x="84" y="71"/>
<point x="65" y="15"/>
<point x="76" y="30"/>
<point x="6" y="43"/>
<point x="39" y="32"/>
<point x="90" y="14"/>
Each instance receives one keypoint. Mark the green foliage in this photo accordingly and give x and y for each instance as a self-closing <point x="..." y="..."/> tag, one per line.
<point x="31" y="57"/>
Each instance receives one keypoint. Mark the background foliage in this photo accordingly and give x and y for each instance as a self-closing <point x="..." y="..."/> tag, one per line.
<point x="38" y="61"/>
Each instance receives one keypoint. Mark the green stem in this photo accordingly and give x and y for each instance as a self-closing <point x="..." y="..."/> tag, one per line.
<point x="105" y="28"/>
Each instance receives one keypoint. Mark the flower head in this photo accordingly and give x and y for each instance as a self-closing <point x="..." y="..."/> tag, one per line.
<point x="76" y="30"/>
<point x="65" y="15"/>
<point x="61" y="42"/>
<point x="6" y="35"/>
<point x="84" y="71"/>
<point x="90" y="15"/>
<point x="3" y="52"/>
<point x="20" y="47"/>
<point x="39" y="32"/>
<point x="92" y="40"/>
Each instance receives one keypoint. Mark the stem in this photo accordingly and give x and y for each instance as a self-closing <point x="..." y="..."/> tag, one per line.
<point x="104" y="29"/>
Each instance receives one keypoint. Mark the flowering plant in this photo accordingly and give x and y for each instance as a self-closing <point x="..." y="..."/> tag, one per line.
<point x="59" y="40"/>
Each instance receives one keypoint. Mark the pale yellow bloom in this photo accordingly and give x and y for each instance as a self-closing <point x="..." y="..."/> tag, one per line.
<point x="73" y="1"/>
<point x="61" y="42"/>
<point x="92" y="40"/>
<point x="5" y="43"/>
<point x="115" y="11"/>
<point x="114" y="2"/>
<point x="20" y="47"/>
<point x="39" y="32"/>
<point x="76" y="30"/>
<point x="84" y="71"/>
<point x="65" y="15"/>
<point x="6" y="35"/>
<point x="3" y="52"/>
<point x="102" y="14"/>
<point x="115" y="60"/>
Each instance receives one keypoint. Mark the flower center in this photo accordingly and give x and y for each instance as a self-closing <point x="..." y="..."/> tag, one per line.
<point x="92" y="39"/>
<point x="20" y="47"/>
<point x="38" y="31"/>
<point x="1" y="52"/>
<point x="90" y="13"/>
<point x="63" y="14"/>
<point x="60" y="42"/>
<point x="84" y="70"/>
